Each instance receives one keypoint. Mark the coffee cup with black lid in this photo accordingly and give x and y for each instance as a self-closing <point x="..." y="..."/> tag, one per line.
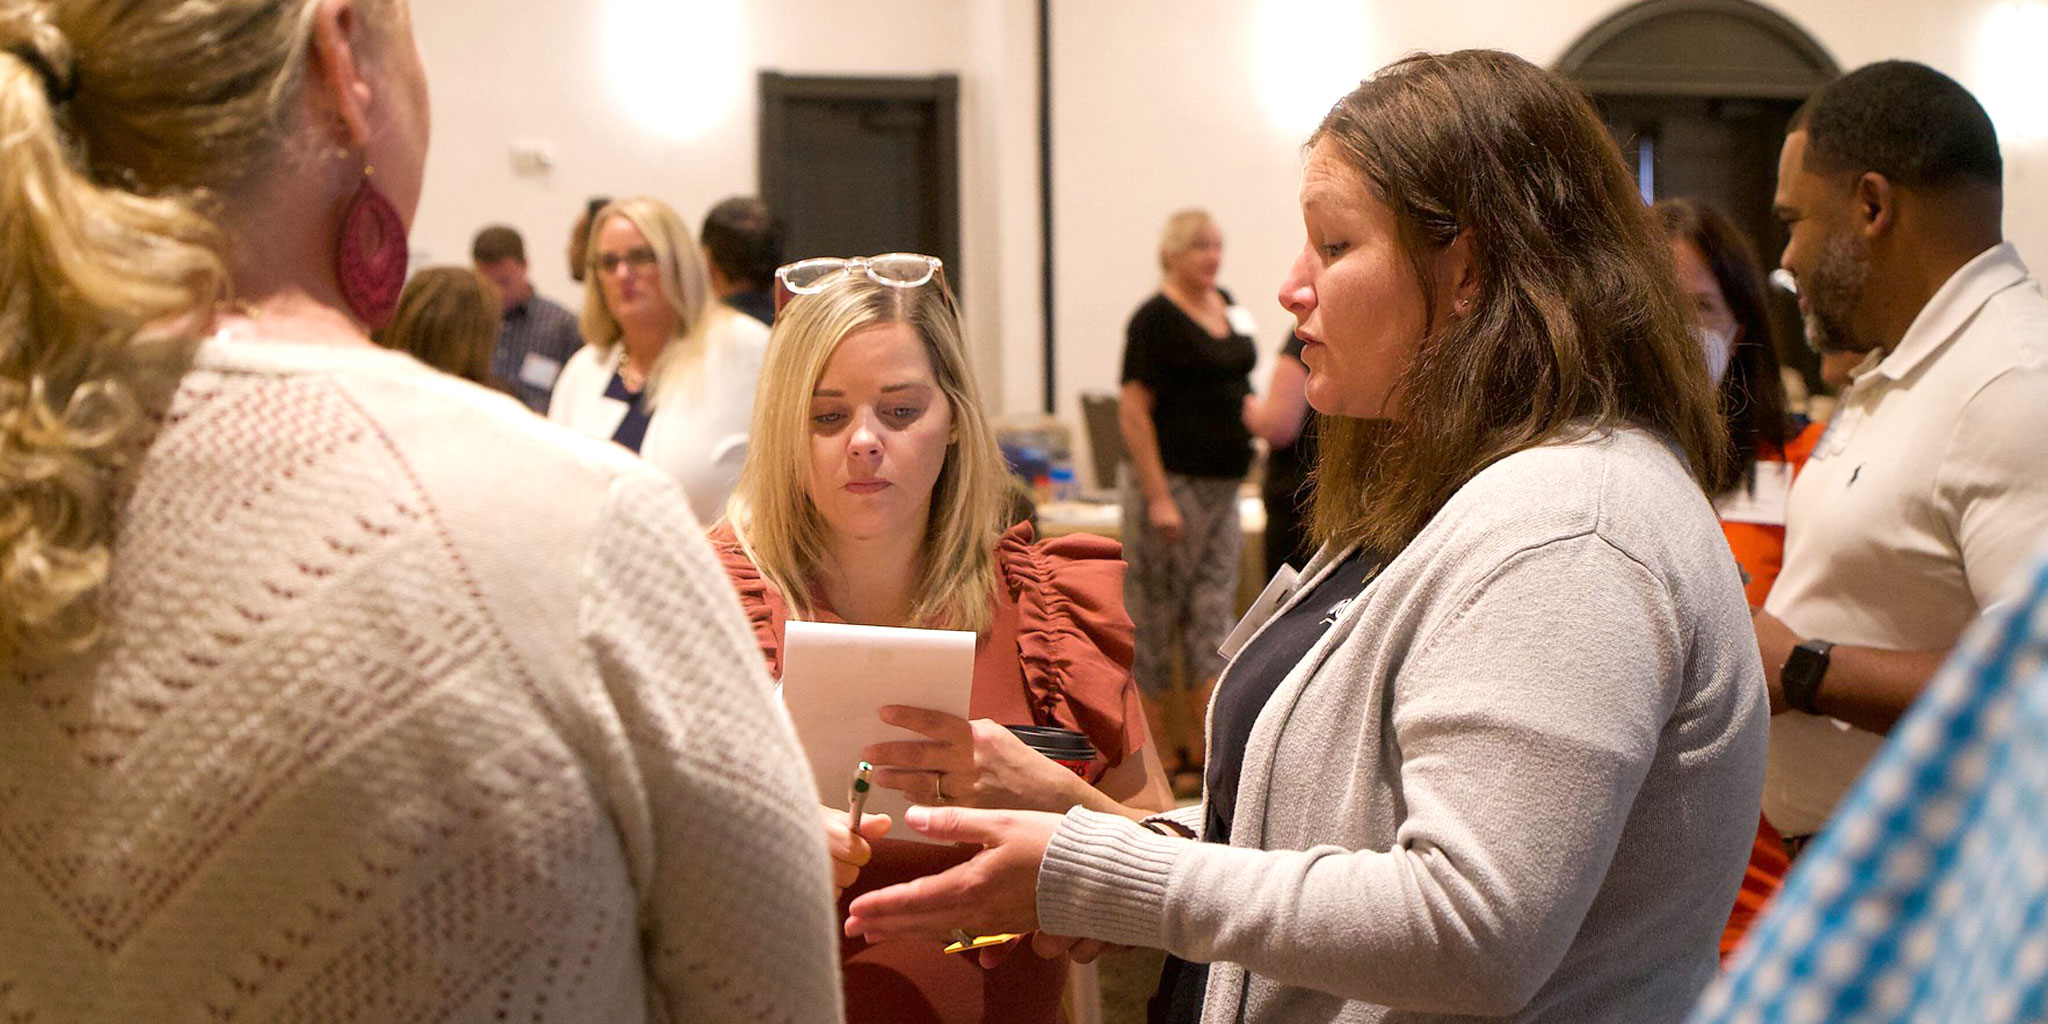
<point x="1064" y="746"/>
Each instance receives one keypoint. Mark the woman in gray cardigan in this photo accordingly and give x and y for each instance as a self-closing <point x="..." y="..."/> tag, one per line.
<point x="1498" y="753"/>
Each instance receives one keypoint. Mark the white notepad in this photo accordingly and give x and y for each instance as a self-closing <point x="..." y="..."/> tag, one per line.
<point x="835" y="676"/>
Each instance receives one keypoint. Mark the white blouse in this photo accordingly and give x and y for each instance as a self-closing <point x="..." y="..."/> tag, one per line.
<point x="697" y="436"/>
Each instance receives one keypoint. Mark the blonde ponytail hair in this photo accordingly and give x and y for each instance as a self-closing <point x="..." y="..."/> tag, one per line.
<point x="124" y="123"/>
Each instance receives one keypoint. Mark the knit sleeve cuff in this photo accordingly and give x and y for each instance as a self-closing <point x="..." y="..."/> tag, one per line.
<point x="1190" y="818"/>
<point x="1105" y="877"/>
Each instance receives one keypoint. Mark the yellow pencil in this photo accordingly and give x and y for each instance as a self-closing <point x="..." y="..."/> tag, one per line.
<point x="964" y="942"/>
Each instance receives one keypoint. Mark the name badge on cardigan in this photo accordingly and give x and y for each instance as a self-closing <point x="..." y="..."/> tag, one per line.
<point x="1269" y="601"/>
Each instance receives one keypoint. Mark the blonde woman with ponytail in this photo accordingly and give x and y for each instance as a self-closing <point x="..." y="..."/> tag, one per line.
<point x="332" y="687"/>
<point x="667" y="370"/>
<point x="874" y="493"/>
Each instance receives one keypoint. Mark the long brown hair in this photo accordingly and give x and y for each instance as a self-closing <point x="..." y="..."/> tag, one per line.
<point x="448" y="319"/>
<point x="1752" y="392"/>
<point x="1577" y="326"/>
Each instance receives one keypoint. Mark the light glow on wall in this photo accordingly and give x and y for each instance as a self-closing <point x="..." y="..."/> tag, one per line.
<point x="1310" y="53"/>
<point x="2014" y="55"/>
<point x="677" y="66"/>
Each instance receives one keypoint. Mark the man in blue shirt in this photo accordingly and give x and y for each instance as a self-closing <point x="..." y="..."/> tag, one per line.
<point x="537" y="336"/>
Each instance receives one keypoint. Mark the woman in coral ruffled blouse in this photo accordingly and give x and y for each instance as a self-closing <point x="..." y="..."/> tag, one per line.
<point x="874" y="493"/>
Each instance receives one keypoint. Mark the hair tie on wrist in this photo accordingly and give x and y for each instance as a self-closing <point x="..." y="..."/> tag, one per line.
<point x="59" y="88"/>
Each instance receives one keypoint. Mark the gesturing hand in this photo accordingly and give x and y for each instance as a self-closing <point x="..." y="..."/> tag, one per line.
<point x="994" y="891"/>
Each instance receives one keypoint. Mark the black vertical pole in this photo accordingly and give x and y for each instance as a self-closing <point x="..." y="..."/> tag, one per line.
<point x="1045" y="187"/>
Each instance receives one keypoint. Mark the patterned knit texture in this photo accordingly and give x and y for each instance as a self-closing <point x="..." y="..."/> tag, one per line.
<point x="353" y="752"/>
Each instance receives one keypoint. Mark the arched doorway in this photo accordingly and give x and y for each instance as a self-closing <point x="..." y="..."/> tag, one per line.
<point x="1697" y="93"/>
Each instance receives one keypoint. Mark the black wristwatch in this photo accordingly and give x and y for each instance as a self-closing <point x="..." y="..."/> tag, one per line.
<point x="1800" y="678"/>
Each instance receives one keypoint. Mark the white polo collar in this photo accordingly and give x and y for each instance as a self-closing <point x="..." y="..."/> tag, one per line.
<point x="1953" y="306"/>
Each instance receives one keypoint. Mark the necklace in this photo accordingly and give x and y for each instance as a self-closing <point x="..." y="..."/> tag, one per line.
<point x="633" y="378"/>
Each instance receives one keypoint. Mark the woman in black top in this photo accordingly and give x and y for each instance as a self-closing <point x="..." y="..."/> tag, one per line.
<point x="1185" y="381"/>
<point x="1281" y="416"/>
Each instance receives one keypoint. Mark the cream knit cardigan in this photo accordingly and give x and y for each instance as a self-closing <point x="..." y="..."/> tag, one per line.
<point x="411" y="707"/>
<point x="1517" y="779"/>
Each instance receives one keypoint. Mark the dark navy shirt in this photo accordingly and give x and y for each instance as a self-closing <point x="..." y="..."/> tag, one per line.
<point x="1253" y="678"/>
<point x="633" y="428"/>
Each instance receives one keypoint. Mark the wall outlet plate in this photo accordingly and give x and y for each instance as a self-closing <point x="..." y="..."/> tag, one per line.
<point x="531" y="157"/>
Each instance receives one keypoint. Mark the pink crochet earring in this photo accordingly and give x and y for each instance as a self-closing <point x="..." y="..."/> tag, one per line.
<point x="371" y="257"/>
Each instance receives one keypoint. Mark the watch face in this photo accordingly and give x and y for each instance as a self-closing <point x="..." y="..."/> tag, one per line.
<point x="1800" y="678"/>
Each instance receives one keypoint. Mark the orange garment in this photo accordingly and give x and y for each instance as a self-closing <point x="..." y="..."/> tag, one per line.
<point x="1760" y="551"/>
<point x="1760" y="881"/>
<point x="1059" y="653"/>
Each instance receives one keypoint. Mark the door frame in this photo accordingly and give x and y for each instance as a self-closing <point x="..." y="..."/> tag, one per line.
<point x="778" y="90"/>
<point x="1684" y="72"/>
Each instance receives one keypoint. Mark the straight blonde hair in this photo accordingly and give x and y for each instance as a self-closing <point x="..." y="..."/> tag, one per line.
<point x="771" y="509"/>
<point x="127" y="125"/>
<point x="684" y="283"/>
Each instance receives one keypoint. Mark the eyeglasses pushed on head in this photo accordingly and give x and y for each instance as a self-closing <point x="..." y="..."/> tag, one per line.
<point x="895" y="269"/>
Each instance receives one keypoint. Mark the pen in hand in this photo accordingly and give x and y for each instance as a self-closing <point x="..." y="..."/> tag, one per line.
<point x="857" y="796"/>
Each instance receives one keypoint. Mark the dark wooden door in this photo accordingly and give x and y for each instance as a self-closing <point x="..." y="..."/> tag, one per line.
<point x="858" y="166"/>
<point x="1723" y="151"/>
<point x="1697" y="92"/>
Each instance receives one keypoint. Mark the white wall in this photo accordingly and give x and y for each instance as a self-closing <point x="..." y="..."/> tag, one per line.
<point x="505" y="71"/>
<point x="1157" y="104"/>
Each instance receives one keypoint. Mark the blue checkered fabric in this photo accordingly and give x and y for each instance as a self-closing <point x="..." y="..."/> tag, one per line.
<point x="1927" y="898"/>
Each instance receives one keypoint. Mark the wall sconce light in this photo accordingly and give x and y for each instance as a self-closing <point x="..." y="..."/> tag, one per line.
<point x="1310" y="53"/>
<point x="2014" y="59"/>
<point x="677" y="66"/>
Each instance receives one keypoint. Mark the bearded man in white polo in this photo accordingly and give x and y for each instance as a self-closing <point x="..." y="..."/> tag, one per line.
<point x="1930" y="488"/>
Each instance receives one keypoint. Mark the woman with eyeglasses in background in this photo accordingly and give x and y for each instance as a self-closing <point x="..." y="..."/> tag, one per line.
<point x="874" y="493"/>
<point x="666" y="369"/>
